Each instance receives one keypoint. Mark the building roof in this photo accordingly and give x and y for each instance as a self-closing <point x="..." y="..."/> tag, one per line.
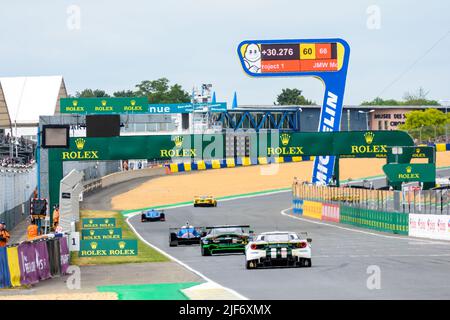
<point x="315" y="106"/>
<point x="4" y="115"/>
<point x="27" y="98"/>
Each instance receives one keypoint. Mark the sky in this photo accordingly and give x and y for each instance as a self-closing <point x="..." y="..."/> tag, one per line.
<point x="396" y="46"/>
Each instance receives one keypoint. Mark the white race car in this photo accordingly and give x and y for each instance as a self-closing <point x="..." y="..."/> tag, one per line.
<point x="278" y="248"/>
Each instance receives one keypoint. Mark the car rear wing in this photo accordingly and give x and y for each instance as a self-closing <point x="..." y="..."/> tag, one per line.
<point x="228" y="226"/>
<point x="196" y="228"/>
<point x="305" y="234"/>
<point x="147" y="210"/>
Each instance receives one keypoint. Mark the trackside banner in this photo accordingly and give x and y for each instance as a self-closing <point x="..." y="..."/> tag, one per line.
<point x="429" y="226"/>
<point x="124" y="247"/>
<point x="101" y="234"/>
<point x="95" y="223"/>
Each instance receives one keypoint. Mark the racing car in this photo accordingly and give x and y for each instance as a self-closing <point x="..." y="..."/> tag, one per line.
<point x="205" y="201"/>
<point x="278" y="248"/>
<point x="187" y="234"/>
<point x="152" y="215"/>
<point x="225" y="239"/>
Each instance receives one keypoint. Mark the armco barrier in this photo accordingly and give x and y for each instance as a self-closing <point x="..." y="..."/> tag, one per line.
<point x="297" y="207"/>
<point x="429" y="226"/>
<point x="393" y="222"/>
<point x="231" y="163"/>
<point x="312" y="209"/>
<point x="330" y="212"/>
<point x="121" y="176"/>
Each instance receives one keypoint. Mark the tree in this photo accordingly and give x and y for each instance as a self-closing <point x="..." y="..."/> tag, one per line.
<point x="176" y="94"/>
<point x="429" y="117"/>
<point x="380" y="102"/>
<point x="292" y="97"/>
<point x="124" y="94"/>
<point x="426" y="124"/>
<point x="89" y="93"/>
<point x="418" y="98"/>
<point x="159" y="91"/>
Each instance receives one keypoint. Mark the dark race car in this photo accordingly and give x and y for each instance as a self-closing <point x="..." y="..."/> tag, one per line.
<point x="152" y="215"/>
<point x="185" y="235"/>
<point x="225" y="239"/>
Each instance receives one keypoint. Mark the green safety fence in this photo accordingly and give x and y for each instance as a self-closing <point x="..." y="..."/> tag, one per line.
<point x="393" y="222"/>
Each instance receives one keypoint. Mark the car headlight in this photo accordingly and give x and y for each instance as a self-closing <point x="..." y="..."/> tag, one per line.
<point x="205" y="241"/>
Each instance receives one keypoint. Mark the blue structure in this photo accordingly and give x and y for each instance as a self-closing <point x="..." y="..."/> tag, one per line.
<point x="234" y="105"/>
<point x="286" y="119"/>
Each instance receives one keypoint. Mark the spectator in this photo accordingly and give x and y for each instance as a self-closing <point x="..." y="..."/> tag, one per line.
<point x="4" y="235"/>
<point x="32" y="230"/>
<point x="55" y="216"/>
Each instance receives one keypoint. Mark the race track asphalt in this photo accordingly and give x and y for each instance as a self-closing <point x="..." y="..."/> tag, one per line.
<point x="409" y="268"/>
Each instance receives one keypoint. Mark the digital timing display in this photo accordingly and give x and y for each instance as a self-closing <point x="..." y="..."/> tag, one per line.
<point x="292" y="57"/>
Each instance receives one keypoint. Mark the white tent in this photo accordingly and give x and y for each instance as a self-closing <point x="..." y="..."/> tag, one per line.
<point x="27" y="98"/>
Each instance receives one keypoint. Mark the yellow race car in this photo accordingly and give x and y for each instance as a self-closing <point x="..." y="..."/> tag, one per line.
<point x="205" y="201"/>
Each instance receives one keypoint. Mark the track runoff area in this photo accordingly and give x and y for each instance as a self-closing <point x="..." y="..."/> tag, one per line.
<point x="345" y="259"/>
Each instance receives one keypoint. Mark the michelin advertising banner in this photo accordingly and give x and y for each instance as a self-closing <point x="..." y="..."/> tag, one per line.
<point x="429" y="226"/>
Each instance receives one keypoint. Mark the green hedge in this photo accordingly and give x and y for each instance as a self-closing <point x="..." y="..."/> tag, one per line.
<point x="392" y="222"/>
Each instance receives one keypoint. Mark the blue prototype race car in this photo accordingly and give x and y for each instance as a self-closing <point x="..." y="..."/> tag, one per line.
<point x="187" y="234"/>
<point x="152" y="215"/>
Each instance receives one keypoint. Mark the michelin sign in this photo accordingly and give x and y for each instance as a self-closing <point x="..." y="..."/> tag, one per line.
<point x="326" y="59"/>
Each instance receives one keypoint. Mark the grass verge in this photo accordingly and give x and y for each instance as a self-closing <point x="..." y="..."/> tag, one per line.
<point x="145" y="253"/>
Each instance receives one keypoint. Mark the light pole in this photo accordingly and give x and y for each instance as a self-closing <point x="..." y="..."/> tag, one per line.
<point x="348" y="119"/>
<point x="367" y="117"/>
<point x="446" y="103"/>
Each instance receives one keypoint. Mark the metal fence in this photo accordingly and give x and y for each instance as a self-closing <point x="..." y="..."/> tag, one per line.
<point x="407" y="201"/>
<point x="16" y="189"/>
<point x="426" y="201"/>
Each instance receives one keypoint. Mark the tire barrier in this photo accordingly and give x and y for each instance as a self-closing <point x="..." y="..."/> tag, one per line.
<point x="231" y="163"/>
<point x="297" y="207"/>
<point x="430" y="226"/>
<point x="312" y="209"/>
<point x="392" y="222"/>
<point x="30" y="262"/>
<point x="330" y="212"/>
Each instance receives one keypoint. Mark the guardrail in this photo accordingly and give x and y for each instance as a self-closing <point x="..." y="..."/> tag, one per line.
<point x="418" y="213"/>
<point x="121" y="176"/>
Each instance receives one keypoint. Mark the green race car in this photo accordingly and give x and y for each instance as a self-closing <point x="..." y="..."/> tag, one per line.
<point x="225" y="239"/>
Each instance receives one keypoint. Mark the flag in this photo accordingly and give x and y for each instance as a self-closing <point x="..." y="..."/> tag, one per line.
<point x="234" y="105"/>
<point x="14" y="267"/>
<point x="4" y="270"/>
<point x="29" y="273"/>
